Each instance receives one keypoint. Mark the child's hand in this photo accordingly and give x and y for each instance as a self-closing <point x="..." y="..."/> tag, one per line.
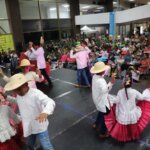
<point x="42" y="117"/>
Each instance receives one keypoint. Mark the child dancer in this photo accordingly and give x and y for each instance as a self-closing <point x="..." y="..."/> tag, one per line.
<point x="34" y="107"/>
<point x="130" y="119"/>
<point x="100" y="94"/>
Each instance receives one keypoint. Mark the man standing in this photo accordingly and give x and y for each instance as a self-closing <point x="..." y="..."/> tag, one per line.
<point x="41" y="63"/>
<point x="82" y="58"/>
<point x="101" y="96"/>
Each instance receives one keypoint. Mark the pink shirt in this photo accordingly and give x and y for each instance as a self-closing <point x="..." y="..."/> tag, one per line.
<point x="82" y="58"/>
<point x="39" y="53"/>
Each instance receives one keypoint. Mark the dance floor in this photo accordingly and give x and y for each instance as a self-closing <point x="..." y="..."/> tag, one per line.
<point x="70" y="125"/>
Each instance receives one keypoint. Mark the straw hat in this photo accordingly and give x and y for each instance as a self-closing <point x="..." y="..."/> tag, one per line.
<point x="99" y="67"/>
<point x="15" y="82"/>
<point x="24" y="63"/>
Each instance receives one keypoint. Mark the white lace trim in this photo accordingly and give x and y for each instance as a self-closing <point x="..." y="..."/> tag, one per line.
<point x="129" y="117"/>
<point x="6" y="134"/>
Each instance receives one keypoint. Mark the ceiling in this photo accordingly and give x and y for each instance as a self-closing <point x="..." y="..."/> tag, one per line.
<point x="93" y="6"/>
<point x="96" y="6"/>
<point x="121" y="1"/>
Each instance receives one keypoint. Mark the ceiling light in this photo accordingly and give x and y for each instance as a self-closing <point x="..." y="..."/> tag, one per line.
<point x="131" y="0"/>
<point x="52" y="9"/>
<point x="85" y="7"/>
<point x="66" y="5"/>
<point x="148" y="3"/>
<point x="114" y="3"/>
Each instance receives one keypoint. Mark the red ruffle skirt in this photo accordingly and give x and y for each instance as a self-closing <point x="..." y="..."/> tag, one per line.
<point x="16" y="142"/>
<point x="129" y="132"/>
<point x="11" y="144"/>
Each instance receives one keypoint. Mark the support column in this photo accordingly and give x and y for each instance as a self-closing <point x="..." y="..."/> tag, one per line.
<point x="74" y="11"/>
<point x="15" y="23"/>
<point x="131" y="28"/>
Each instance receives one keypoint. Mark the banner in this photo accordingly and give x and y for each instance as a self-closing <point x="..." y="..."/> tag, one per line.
<point x="112" y="24"/>
<point x="6" y="42"/>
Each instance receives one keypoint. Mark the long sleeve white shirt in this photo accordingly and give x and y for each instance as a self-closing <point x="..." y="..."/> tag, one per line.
<point x="6" y="130"/>
<point x="30" y="55"/>
<point x="39" y="53"/>
<point x="127" y="112"/>
<point x="100" y="92"/>
<point x="30" y="106"/>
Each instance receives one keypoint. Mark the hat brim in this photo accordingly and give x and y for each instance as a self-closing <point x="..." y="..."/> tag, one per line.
<point x="32" y="65"/>
<point x="10" y="87"/>
<point x="93" y="70"/>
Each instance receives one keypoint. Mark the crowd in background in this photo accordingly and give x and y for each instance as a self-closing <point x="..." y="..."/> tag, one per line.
<point x="9" y="59"/>
<point x="132" y="53"/>
<point x="129" y="53"/>
<point x="97" y="57"/>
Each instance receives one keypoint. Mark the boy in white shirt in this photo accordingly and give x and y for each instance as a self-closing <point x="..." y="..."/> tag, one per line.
<point x="101" y="96"/>
<point x="34" y="107"/>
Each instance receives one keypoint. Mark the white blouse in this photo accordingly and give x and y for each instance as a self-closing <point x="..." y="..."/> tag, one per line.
<point x="146" y="94"/>
<point x="6" y="130"/>
<point x="126" y="110"/>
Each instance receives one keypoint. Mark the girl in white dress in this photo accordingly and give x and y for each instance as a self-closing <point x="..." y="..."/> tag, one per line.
<point x="130" y="117"/>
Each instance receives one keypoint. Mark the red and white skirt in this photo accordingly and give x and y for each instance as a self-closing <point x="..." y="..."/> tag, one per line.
<point x="11" y="144"/>
<point x="16" y="142"/>
<point x="124" y="133"/>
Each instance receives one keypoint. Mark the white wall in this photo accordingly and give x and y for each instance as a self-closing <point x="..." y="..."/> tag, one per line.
<point x="133" y="14"/>
<point x="102" y="18"/>
<point x="138" y="13"/>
